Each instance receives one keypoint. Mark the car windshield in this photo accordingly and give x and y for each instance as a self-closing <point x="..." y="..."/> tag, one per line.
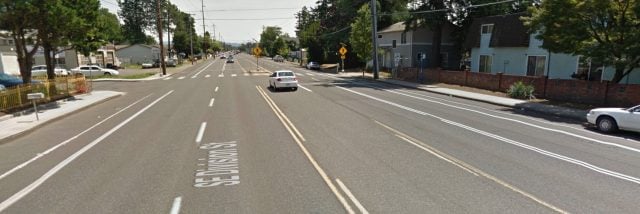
<point x="320" y="106"/>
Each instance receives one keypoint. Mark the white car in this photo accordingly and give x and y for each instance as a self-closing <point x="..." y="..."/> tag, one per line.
<point x="94" y="70"/>
<point x="283" y="79"/>
<point x="41" y="70"/>
<point x="147" y="65"/>
<point x="612" y="119"/>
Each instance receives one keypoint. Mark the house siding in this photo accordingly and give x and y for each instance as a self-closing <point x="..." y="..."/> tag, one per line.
<point x="137" y="54"/>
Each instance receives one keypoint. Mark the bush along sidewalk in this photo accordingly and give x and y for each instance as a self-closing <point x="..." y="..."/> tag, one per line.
<point x="519" y="90"/>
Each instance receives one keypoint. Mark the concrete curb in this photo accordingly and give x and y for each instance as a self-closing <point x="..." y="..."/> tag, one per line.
<point x="132" y="80"/>
<point x="27" y="131"/>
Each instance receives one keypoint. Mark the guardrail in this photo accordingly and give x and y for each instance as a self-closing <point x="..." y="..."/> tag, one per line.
<point x="61" y="87"/>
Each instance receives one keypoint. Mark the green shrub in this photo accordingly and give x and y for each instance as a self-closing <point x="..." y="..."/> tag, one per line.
<point x="520" y="90"/>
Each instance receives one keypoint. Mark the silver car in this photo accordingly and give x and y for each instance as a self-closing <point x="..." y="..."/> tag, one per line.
<point x="612" y="119"/>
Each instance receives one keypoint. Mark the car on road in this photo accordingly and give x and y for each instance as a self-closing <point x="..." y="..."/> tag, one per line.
<point x="171" y="63"/>
<point x="313" y="66"/>
<point x="41" y="70"/>
<point x="230" y="59"/>
<point x="613" y="119"/>
<point x="94" y="70"/>
<point x="278" y="58"/>
<point x="223" y="56"/>
<point x="283" y="79"/>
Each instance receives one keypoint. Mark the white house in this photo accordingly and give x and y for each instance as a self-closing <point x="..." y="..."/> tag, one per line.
<point x="503" y="44"/>
<point x="401" y="46"/>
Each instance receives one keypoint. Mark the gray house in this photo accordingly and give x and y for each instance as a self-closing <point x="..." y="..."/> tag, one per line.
<point x="138" y="53"/>
<point x="401" y="46"/>
<point x="503" y="44"/>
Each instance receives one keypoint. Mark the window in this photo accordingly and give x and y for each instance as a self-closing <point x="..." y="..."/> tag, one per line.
<point x="487" y="29"/>
<point x="536" y="65"/>
<point x="444" y="60"/>
<point x="403" y="38"/>
<point x="393" y="43"/>
<point x="588" y="70"/>
<point x="10" y="41"/>
<point x="485" y="63"/>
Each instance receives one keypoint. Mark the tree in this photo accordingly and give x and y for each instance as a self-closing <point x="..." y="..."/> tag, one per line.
<point x="18" y="18"/>
<point x="110" y="26"/>
<point x="136" y="15"/>
<point x="150" y="40"/>
<point x="267" y="39"/>
<point x="280" y="47"/>
<point x="360" y="37"/>
<point x="605" y="31"/>
<point x="434" y="21"/>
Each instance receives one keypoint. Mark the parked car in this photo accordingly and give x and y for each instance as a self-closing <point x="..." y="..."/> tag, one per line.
<point x="278" y="58"/>
<point x="223" y="56"/>
<point x="313" y="66"/>
<point x="41" y="70"/>
<point x="112" y="66"/>
<point x="612" y="119"/>
<point x="283" y="79"/>
<point x="171" y="63"/>
<point x="94" y="70"/>
<point x="8" y="81"/>
<point x="2" y="88"/>
<point x="147" y="65"/>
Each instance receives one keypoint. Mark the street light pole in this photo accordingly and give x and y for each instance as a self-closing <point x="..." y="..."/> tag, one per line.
<point x="374" y="36"/>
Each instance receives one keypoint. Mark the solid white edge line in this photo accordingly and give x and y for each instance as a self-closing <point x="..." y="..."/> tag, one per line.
<point x="306" y="152"/>
<point x="216" y="90"/>
<point x="196" y="75"/>
<point x="175" y="208"/>
<point x="509" y="141"/>
<point x="353" y="198"/>
<point x="211" y="102"/>
<point x="203" y="126"/>
<point x="39" y="155"/>
<point x="207" y="76"/>
<point x="19" y="195"/>
<point x="309" y="90"/>
<point x="181" y="78"/>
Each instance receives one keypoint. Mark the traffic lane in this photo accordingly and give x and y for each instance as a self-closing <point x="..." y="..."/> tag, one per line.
<point x="384" y="173"/>
<point x="274" y="176"/>
<point x="99" y="177"/>
<point x="29" y="156"/>
<point x="555" y="181"/>
<point x="619" y="159"/>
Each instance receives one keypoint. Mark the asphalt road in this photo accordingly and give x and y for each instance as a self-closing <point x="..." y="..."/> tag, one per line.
<point x="215" y="139"/>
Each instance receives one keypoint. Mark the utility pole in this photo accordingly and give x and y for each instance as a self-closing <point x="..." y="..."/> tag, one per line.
<point x="159" y="26"/>
<point x="204" y="49"/>
<point x="214" y="32"/>
<point x="191" y="42"/>
<point x="374" y="36"/>
<point x="169" y="29"/>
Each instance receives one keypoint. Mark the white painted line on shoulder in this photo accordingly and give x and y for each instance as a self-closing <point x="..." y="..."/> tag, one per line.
<point x="246" y="74"/>
<point x="175" y="208"/>
<point x="22" y="193"/>
<point x="309" y="90"/>
<point x="196" y="75"/>
<point x="42" y="154"/>
<point x="314" y="79"/>
<point x="211" y="102"/>
<point x="310" y="74"/>
<point x="168" y="78"/>
<point x="216" y="90"/>
<point x="181" y="78"/>
<point x="234" y="75"/>
<point x="509" y="141"/>
<point x="353" y="198"/>
<point x="201" y="132"/>
<point x="207" y="76"/>
<point x="221" y="75"/>
<point x="300" y="74"/>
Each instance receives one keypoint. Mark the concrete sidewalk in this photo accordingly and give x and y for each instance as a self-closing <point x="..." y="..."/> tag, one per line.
<point x="16" y="125"/>
<point x="574" y="114"/>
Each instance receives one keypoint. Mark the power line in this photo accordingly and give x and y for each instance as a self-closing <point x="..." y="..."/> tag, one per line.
<point x="214" y="19"/>
<point x="249" y="9"/>
<point x="447" y="9"/>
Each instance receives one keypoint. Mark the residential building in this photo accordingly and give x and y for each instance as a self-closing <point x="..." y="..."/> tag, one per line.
<point x="401" y="47"/>
<point x="502" y="44"/>
<point x="138" y="53"/>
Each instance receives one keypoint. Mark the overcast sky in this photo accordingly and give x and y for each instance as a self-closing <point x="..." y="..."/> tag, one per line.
<point x="227" y="16"/>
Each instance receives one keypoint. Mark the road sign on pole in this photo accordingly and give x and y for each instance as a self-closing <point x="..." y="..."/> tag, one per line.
<point x="343" y="51"/>
<point x="257" y="51"/>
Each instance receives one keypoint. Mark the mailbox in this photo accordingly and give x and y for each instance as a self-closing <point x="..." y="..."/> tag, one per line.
<point x="35" y="96"/>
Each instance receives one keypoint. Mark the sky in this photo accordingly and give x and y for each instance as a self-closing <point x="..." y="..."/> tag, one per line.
<point x="237" y="21"/>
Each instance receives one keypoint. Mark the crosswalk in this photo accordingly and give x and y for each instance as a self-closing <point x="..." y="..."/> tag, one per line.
<point x="247" y="75"/>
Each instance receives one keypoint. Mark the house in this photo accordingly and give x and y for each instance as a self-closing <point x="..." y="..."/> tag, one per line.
<point x="138" y="53"/>
<point x="502" y="44"/>
<point x="8" y="57"/>
<point x="401" y="47"/>
<point x="70" y="58"/>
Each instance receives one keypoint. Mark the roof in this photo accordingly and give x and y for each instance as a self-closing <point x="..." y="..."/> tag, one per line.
<point x="120" y="47"/>
<point x="397" y="27"/>
<point x="508" y="31"/>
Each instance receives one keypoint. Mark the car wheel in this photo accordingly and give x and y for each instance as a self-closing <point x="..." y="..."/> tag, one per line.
<point x="294" y="88"/>
<point x="607" y="124"/>
<point x="107" y="74"/>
